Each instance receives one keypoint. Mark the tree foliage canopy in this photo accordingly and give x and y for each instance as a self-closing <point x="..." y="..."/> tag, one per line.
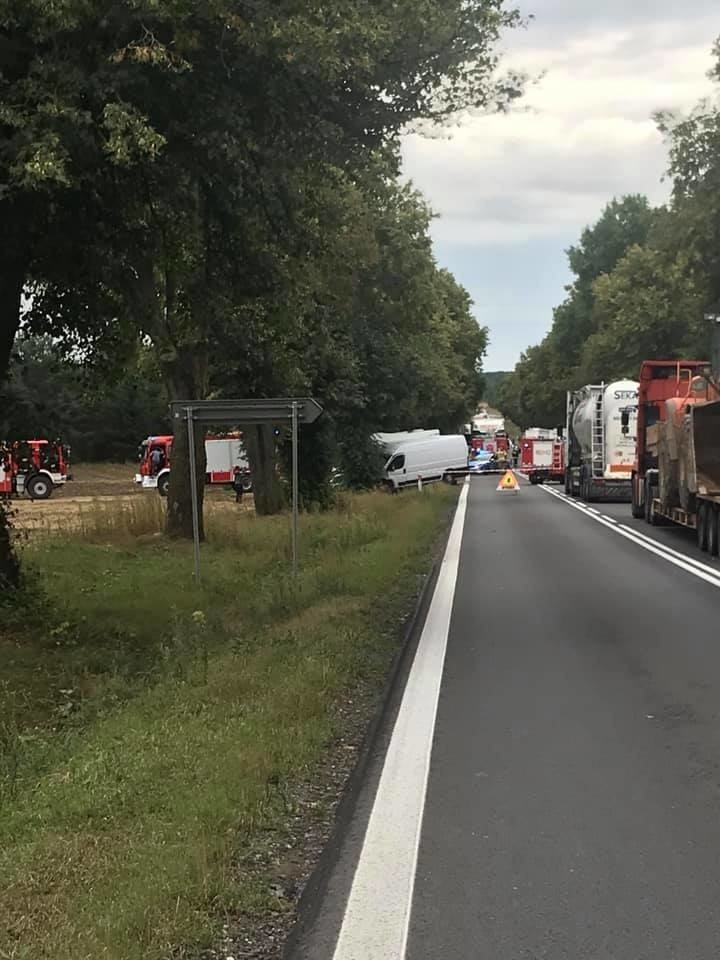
<point x="219" y="180"/>
<point x="644" y="278"/>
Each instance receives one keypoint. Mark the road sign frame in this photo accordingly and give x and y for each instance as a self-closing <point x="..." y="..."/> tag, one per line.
<point x="292" y="410"/>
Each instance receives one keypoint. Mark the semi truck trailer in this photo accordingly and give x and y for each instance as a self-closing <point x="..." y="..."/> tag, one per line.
<point x="600" y="440"/>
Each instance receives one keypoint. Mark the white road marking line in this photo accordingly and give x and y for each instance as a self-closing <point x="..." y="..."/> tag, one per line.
<point x="593" y="510"/>
<point x="377" y="916"/>
<point x="676" y="553"/>
<point x="697" y="569"/>
<point x="609" y="519"/>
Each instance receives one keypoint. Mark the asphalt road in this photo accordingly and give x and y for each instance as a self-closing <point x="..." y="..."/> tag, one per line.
<point x="572" y="804"/>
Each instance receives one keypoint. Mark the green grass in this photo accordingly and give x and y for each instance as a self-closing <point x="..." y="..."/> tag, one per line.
<point x="149" y="730"/>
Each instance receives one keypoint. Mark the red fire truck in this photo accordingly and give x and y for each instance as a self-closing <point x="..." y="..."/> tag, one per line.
<point x="491" y="443"/>
<point x="33" y="467"/>
<point x="542" y="459"/>
<point x="224" y="455"/>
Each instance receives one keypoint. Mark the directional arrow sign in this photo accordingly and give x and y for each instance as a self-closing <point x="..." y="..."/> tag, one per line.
<point x="238" y="412"/>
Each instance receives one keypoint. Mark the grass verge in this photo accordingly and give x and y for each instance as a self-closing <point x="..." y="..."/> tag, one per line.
<point x="150" y="729"/>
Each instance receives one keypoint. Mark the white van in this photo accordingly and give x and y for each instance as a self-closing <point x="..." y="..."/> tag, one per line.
<point x="429" y="459"/>
<point x="391" y="441"/>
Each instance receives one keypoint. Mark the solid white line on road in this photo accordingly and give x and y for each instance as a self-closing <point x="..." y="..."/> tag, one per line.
<point x="377" y="916"/>
<point x="676" y="553"/>
<point x="702" y="571"/>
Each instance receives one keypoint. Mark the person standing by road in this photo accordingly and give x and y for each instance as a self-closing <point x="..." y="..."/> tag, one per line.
<point x="156" y="460"/>
<point x="237" y="482"/>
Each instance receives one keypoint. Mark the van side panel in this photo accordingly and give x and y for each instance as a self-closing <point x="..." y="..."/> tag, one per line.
<point x="429" y="459"/>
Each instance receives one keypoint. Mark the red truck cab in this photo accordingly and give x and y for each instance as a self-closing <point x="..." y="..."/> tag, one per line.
<point x="660" y="380"/>
<point x="33" y="467"/>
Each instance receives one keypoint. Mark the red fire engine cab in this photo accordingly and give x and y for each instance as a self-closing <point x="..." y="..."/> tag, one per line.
<point x="33" y="467"/>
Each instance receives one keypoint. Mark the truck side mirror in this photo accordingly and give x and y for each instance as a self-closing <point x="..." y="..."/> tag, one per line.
<point x="560" y="430"/>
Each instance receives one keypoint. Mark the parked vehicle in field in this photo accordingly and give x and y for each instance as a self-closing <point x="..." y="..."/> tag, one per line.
<point x="33" y="467"/>
<point x="430" y="459"/>
<point x="223" y="456"/>
<point x="542" y="460"/>
<point x="676" y="478"/>
<point x="600" y="440"/>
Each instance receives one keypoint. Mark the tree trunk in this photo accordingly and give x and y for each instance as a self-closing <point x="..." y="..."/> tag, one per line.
<point x="187" y="380"/>
<point x="12" y="281"/>
<point x="9" y="563"/>
<point x="260" y="447"/>
<point x="179" y="508"/>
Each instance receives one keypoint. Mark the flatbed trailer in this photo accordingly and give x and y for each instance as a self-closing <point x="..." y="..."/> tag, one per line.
<point x="705" y="520"/>
<point x="676" y="476"/>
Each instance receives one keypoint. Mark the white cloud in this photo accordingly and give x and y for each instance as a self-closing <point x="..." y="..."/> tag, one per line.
<point x="585" y="133"/>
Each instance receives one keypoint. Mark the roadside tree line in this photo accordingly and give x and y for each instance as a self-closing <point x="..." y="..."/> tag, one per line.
<point x="218" y="183"/>
<point x="644" y="279"/>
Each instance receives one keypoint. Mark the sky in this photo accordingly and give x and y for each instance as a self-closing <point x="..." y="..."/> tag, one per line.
<point x="513" y="191"/>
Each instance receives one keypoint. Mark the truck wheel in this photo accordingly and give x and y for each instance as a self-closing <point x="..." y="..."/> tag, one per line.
<point x="702" y="526"/>
<point x="163" y="484"/>
<point x="39" y="487"/>
<point x="713" y="532"/>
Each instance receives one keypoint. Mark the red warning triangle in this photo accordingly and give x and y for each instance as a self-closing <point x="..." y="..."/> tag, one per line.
<point x="508" y="483"/>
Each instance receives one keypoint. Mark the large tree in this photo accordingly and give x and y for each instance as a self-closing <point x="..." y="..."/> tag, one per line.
<point x="649" y="306"/>
<point x="534" y="395"/>
<point x="366" y="321"/>
<point x="149" y="152"/>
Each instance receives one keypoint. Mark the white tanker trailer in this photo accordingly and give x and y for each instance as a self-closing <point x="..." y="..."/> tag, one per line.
<point x="600" y="440"/>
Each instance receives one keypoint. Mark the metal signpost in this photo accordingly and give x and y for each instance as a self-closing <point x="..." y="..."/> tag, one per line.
<point x="713" y="317"/>
<point x="240" y="412"/>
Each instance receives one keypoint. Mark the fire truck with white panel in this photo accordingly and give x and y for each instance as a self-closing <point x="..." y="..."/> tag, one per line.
<point x="542" y="456"/>
<point x="224" y="456"/>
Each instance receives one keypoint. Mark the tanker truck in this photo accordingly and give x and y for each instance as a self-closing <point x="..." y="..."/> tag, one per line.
<point x="676" y="478"/>
<point x="600" y="441"/>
